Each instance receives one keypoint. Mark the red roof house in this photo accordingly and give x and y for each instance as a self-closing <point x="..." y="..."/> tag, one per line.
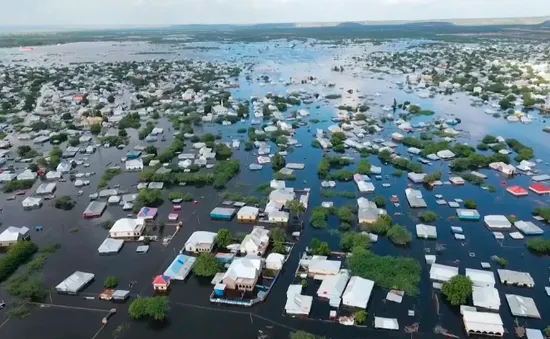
<point x="161" y="283"/>
<point x="517" y="191"/>
<point x="539" y="189"/>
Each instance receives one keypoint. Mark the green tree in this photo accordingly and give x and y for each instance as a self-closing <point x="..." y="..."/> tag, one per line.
<point x="399" y="235"/>
<point x="296" y="207"/>
<point x="155" y="308"/>
<point x="111" y="99"/>
<point x="224" y="238"/>
<point x="111" y="282"/>
<point x="470" y="204"/>
<point x="65" y="202"/>
<point x="346" y="214"/>
<point x="322" y="249"/>
<point x="428" y="216"/>
<point x="207" y="265"/>
<point x="278" y="162"/>
<point x="74" y="141"/>
<point x="360" y="317"/>
<point x="95" y="129"/>
<point x="351" y="240"/>
<point x="364" y="167"/>
<point x="278" y="235"/>
<point x="303" y="335"/>
<point x="457" y="290"/>
<point x="380" y="201"/>
<point x="223" y="151"/>
<point x="505" y="104"/>
<point x="122" y="133"/>
<point x="27" y="287"/>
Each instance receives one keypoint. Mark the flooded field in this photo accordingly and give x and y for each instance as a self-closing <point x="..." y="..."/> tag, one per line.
<point x="191" y="314"/>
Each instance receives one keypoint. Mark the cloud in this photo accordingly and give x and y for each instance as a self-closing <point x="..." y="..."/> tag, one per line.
<point x="166" y="12"/>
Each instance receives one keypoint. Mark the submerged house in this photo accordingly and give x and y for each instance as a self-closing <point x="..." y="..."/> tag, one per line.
<point x="12" y="235"/>
<point x="358" y="292"/>
<point x="126" y="228"/>
<point x="243" y="273"/>
<point x="483" y="323"/>
<point x="201" y="241"/>
<point x="256" y="242"/>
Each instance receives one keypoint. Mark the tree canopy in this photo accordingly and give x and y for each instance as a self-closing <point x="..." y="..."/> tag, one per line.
<point x="457" y="290"/>
<point x="207" y="265"/>
<point x="224" y="238"/>
<point x="155" y="308"/>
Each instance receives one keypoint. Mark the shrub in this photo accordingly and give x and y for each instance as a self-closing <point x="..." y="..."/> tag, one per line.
<point x="17" y="255"/>
<point x="470" y="204"/>
<point x="457" y="290"/>
<point x="111" y="282"/>
<point x="428" y="216"/>
<point x="399" y="235"/>
<point x="539" y="245"/>
<point x="65" y="203"/>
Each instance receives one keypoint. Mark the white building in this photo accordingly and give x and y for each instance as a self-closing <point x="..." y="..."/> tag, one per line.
<point x="256" y="242"/>
<point x="27" y="175"/>
<point x="442" y="273"/>
<point x="357" y="293"/>
<point x="12" y="235"/>
<point x="483" y="323"/>
<point x="274" y="261"/>
<point x="134" y="165"/>
<point x="296" y="303"/>
<point x="248" y="214"/>
<point x="333" y="286"/>
<point x="127" y="228"/>
<point x="30" y="203"/>
<point x="201" y="241"/>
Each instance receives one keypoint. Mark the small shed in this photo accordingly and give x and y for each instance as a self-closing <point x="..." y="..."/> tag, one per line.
<point x="467" y="214"/>
<point x="161" y="283"/>
<point x="386" y="323"/>
<point x="426" y="231"/>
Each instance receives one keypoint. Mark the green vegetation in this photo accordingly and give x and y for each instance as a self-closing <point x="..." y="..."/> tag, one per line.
<point x="400" y="163"/>
<point x="148" y="197"/>
<point x="380" y="226"/>
<point x="543" y="212"/>
<point x="320" y="247"/>
<point x="27" y="287"/>
<point x="319" y="217"/>
<point x="155" y="308"/>
<point x="482" y="147"/>
<point x="284" y="177"/>
<point x="207" y="265"/>
<point x="470" y="204"/>
<point x="224" y="238"/>
<point x="431" y="178"/>
<point x="249" y="200"/>
<point x="16" y="185"/>
<point x="360" y="317"/>
<point x="17" y="255"/>
<point x="304" y="335"/>
<point x="110" y="282"/>
<point x="397" y="173"/>
<point x="180" y="195"/>
<point x="399" y="235"/>
<point x="26" y="152"/>
<point x="457" y="290"/>
<point x="130" y="120"/>
<point x="350" y="240"/>
<point x="65" y="202"/>
<point x="380" y="201"/>
<point x="278" y="238"/>
<point x="524" y="152"/>
<point x="343" y="194"/>
<point x="501" y="262"/>
<point x="539" y="245"/>
<point x="109" y="174"/>
<point x="364" y="167"/>
<point x="473" y="179"/>
<point x="428" y="216"/>
<point x="387" y="272"/>
<point x="329" y="162"/>
<point x="95" y="129"/>
<point x="345" y="214"/>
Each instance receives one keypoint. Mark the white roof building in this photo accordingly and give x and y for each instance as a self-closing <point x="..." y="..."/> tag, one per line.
<point x="201" y="241"/>
<point x="483" y="323"/>
<point x="27" y="175"/>
<point x="442" y="273"/>
<point x="46" y="188"/>
<point x="75" y="282"/>
<point x="7" y="176"/>
<point x="486" y="297"/>
<point x="134" y="165"/>
<point x="426" y="231"/>
<point x="515" y="278"/>
<point x="274" y="261"/>
<point x="63" y="167"/>
<point x="110" y="246"/>
<point x="319" y="266"/>
<point x="522" y="306"/>
<point x="445" y="154"/>
<point x="296" y="303"/>
<point x="481" y="277"/>
<point x="53" y="175"/>
<point x="127" y="228"/>
<point x="333" y="286"/>
<point x="497" y="222"/>
<point x="31" y="202"/>
<point x="256" y="242"/>
<point x="358" y="292"/>
<point x="13" y="234"/>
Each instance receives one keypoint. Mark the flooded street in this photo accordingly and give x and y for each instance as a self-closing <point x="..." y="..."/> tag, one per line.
<point x="192" y="315"/>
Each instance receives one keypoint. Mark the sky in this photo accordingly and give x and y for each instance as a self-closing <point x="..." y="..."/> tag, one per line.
<point x="167" y="12"/>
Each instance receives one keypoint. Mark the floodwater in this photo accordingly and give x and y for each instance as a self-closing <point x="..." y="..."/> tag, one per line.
<point x="192" y="316"/>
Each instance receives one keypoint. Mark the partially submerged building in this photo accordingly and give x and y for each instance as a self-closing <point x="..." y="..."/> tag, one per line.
<point x="201" y="241"/>
<point x="110" y="246"/>
<point x="467" y="214"/>
<point x="180" y="268"/>
<point x="483" y="323"/>
<point x="426" y="231"/>
<point x="12" y="235"/>
<point x="509" y="277"/>
<point x="522" y="306"/>
<point x="75" y="283"/>
<point x="243" y="273"/>
<point x="358" y="292"/>
<point x="333" y="286"/>
<point x="486" y="297"/>
<point x="94" y="210"/>
<point x="497" y="222"/>
<point x="442" y="273"/>
<point x="222" y="213"/>
<point x="126" y="228"/>
<point x="256" y="242"/>
<point x="296" y="303"/>
<point x="414" y="197"/>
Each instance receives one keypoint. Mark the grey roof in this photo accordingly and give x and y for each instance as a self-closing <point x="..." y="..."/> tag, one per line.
<point x="528" y="227"/>
<point x="120" y="294"/>
<point x="542" y="177"/>
<point x="386" y="323"/>
<point x="110" y="245"/>
<point x="46" y="188"/>
<point x="414" y="197"/>
<point x="95" y="207"/>
<point x="416" y="177"/>
<point x="522" y="306"/>
<point x="366" y="214"/>
<point x="75" y="282"/>
<point x="497" y="221"/>
<point x="467" y="213"/>
<point x="515" y="278"/>
<point x="107" y="193"/>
